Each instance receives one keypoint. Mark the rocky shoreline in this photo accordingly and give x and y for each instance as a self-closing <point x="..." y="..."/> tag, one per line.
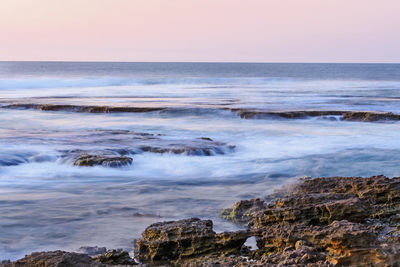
<point x="335" y="221"/>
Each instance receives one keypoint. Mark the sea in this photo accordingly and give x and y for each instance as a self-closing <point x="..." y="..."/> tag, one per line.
<point x="192" y="154"/>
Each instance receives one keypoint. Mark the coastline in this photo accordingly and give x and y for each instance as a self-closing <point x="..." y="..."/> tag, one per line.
<point x="335" y="221"/>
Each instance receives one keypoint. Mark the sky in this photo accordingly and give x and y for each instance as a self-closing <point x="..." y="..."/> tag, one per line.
<point x="201" y="30"/>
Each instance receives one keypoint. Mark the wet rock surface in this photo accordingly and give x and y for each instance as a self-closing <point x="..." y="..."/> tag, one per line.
<point x="109" y="148"/>
<point x="81" y="108"/>
<point x="360" y="116"/>
<point x="106" y="161"/>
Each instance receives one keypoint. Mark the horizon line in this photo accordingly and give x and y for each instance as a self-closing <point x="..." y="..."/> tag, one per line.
<point x="193" y="62"/>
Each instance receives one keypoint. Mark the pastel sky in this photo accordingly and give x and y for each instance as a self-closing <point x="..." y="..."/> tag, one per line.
<point x="201" y="30"/>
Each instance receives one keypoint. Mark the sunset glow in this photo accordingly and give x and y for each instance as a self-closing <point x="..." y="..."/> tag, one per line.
<point x="207" y="30"/>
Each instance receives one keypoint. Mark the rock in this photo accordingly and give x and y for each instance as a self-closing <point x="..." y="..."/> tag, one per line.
<point x="337" y="221"/>
<point x="242" y="211"/>
<point x="106" y="161"/>
<point x="300" y="255"/>
<point x="369" y="116"/>
<point x="191" y="149"/>
<point x="260" y="114"/>
<point x="206" y="138"/>
<point x="345" y="221"/>
<point x="114" y="257"/>
<point x="82" y="108"/>
<point x="55" y="259"/>
<point x="311" y="210"/>
<point x="176" y="240"/>
<point x="322" y="201"/>
<point x="361" y="116"/>
<point x="340" y="241"/>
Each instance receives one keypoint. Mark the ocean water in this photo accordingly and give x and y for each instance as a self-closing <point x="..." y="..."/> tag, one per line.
<point x="47" y="203"/>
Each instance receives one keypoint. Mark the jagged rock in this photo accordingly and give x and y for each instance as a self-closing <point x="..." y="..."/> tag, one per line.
<point x="299" y="255"/>
<point x="106" y="161"/>
<point x="341" y="241"/>
<point x="322" y="201"/>
<point x="55" y="259"/>
<point x="242" y="211"/>
<point x="114" y="257"/>
<point x="174" y="240"/>
<point x="349" y="221"/>
<point x="311" y="210"/>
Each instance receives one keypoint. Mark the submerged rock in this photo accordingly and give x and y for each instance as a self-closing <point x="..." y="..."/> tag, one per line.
<point x="106" y="161"/>
<point x="192" y="149"/>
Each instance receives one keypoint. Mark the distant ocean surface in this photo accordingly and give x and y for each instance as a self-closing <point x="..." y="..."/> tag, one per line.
<point x="192" y="154"/>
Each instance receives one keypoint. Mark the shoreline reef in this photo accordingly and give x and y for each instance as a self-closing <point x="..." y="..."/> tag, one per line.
<point x="334" y="221"/>
<point x="243" y="113"/>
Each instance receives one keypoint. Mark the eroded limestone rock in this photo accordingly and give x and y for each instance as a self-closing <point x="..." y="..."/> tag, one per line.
<point x="175" y="240"/>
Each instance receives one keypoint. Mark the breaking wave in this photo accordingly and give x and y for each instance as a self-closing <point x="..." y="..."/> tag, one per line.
<point x="37" y="83"/>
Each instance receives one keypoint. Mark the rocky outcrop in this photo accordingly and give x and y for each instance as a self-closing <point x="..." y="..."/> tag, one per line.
<point x="338" y="221"/>
<point x="114" y="257"/>
<point x="361" y="116"/>
<point x="55" y="259"/>
<point x="370" y="116"/>
<point x="348" y="220"/>
<point x="81" y="108"/>
<point x="106" y="161"/>
<point x="242" y="212"/>
<point x="185" y="239"/>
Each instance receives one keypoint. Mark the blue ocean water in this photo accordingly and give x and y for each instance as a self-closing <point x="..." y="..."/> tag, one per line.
<point x="47" y="203"/>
